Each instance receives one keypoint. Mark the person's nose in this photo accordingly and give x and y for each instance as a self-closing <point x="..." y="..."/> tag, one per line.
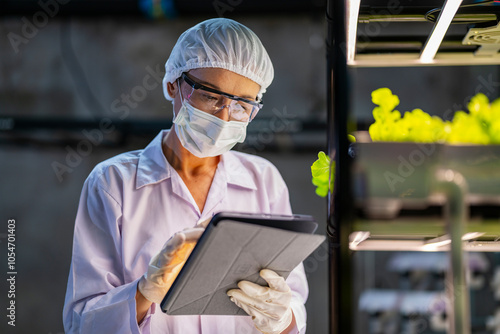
<point x="223" y="112"/>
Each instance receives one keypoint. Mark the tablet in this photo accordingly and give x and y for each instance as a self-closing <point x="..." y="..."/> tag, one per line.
<point x="235" y="247"/>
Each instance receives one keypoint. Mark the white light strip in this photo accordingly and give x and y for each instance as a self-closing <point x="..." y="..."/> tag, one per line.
<point x="440" y="27"/>
<point x="357" y="237"/>
<point x="352" y="27"/>
<point x="472" y="235"/>
<point x="434" y="244"/>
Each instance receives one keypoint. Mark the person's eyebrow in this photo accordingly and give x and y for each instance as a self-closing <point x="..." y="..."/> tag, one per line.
<point x="208" y="84"/>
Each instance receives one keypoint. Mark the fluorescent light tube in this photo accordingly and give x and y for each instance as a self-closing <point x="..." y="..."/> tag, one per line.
<point x="357" y="237"/>
<point x="440" y="27"/>
<point x="434" y="244"/>
<point x="352" y="27"/>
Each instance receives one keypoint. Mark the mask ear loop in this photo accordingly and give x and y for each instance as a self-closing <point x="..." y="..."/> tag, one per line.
<point x="182" y="98"/>
<point x="180" y="90"/>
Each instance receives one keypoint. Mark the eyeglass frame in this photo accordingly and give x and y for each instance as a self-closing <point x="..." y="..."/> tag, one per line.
<point x="195" y="85"/>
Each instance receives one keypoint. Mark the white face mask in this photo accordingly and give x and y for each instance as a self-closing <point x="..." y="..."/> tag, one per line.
<point x="205" y="135"/>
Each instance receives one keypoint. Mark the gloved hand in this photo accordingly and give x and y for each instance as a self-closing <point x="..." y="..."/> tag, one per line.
<point x="268" y="306"/>
<point x="165" y="266"/>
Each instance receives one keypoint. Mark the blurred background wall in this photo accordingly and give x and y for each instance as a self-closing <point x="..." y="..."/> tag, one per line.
<point x="81" y="83"/>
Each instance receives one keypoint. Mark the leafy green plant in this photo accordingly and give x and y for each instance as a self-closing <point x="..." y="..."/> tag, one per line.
<point x="320" y="171"/>
<point x="480" y="126"/>
<point x="323" y="172"/>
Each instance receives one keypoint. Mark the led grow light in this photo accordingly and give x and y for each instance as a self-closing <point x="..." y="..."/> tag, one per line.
<point x="443" y="22"/>
<point x="436" y="243"/>
<point x="357" y="237"/>
<point x="352" y="28"/>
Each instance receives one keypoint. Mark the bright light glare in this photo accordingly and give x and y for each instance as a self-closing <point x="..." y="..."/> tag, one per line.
<point x="358" y="237"/>
<point x="436" y="243"/>
<point x="443" y="22"/>
<point x="472" y="235"/>
<point x="352" y="27"/>
<point x="434" y="246"/>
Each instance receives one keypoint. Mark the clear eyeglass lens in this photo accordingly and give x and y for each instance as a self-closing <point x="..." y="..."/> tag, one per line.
<point x="212" y="103"/>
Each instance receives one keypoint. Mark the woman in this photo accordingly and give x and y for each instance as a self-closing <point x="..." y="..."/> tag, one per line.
<point x="130" y="204"/>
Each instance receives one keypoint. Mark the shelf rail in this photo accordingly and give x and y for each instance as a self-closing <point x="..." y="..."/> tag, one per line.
<point x="453" y="185"/>
<point x="340" y="203"/>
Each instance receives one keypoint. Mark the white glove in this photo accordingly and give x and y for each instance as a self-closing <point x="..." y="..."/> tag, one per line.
<point x="268" y="306"/>
<point x="165" y="266"/>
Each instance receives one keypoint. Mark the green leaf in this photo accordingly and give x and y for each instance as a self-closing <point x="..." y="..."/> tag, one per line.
<point x="321" y="166"/>
<point x="385" y="99"/>
<point x="320" y="171"/>
<point x="478" y="126"/>
<point x="322" y="191"/>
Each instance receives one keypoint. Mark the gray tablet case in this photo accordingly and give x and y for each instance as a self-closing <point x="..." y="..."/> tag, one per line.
<point x="236" y="247"/>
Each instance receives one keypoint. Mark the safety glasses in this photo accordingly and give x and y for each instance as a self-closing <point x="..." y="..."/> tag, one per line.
<point x="212" y="101"/>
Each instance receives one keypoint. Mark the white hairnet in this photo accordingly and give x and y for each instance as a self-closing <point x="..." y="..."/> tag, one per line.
<point x="220" y="43"/>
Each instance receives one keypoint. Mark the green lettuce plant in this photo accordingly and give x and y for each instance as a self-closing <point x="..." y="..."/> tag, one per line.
<point x="481" y="125"/>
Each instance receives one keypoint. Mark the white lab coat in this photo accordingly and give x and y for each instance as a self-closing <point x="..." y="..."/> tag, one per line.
<point x="130" y="206"/>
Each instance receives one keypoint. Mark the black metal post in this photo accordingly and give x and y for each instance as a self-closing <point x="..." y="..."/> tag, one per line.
<point x="340" y="201"/>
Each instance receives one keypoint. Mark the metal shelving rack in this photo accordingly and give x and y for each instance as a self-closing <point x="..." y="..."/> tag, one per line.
<point x="452" y="187"/>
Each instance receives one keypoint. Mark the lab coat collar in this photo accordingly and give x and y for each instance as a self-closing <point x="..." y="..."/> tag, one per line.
<point x="236" y="172"/>
<point x="153" y="167"/>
